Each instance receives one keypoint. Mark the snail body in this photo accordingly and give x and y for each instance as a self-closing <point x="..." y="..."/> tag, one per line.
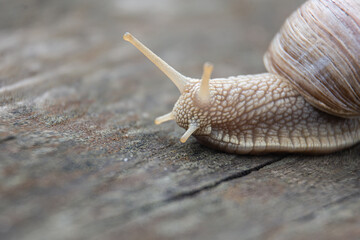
<point x="271" y="112"/>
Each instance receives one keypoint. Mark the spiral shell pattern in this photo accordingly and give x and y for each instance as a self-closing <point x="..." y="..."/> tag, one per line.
<point x="318" y="51"/>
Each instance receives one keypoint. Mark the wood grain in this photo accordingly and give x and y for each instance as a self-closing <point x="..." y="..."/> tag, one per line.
<point x="80" y="157"/>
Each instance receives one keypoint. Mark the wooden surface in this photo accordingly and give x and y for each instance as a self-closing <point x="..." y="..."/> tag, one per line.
<point x="80" y="157"/>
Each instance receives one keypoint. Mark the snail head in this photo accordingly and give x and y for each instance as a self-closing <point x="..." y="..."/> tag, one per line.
<point x="191" y="111"/>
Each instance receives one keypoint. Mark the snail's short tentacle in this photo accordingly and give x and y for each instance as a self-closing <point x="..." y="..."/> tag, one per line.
<point x="164" y="118"/>
<point x="192" y="128"/>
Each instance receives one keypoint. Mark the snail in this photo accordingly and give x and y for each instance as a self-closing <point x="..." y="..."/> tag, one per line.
<point x="308" y="102"/>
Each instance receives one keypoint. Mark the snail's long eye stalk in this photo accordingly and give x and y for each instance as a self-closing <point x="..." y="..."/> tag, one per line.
<point x="177" y="78"/>
<point x="204" y="92"/>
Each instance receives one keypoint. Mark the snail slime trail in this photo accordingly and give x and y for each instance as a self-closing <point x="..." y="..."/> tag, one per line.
<point x="309" y="101"/>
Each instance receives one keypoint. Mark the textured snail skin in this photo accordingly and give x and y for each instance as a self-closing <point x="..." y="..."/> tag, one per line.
<point x="310" y="63"/>
<point x="259" y="114"/>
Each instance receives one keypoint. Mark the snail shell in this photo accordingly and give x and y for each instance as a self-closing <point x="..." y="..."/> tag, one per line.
<point x="318" y="51"/>
<point x="314" y="71"/>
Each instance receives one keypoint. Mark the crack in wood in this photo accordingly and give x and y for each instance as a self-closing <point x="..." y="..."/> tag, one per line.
<point x="220" y="181"/>
<point x="6" y="139"/>
<point x="147" y="208"/>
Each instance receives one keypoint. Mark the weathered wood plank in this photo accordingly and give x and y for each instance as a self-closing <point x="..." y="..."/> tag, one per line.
<point x="295" y="198"/>
<point x="80" y="157"/>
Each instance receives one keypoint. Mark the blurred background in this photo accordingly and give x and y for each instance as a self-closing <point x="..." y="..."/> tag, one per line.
<point x="233" y="34"/>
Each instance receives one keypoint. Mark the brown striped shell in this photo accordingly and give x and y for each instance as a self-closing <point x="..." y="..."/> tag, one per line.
<point x="318" y="51"/>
